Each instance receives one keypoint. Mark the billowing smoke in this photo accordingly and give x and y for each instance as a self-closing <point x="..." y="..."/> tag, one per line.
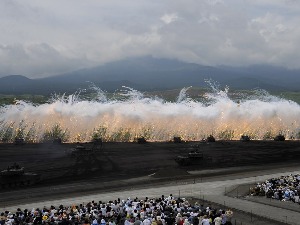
<point x="133" y="115"/>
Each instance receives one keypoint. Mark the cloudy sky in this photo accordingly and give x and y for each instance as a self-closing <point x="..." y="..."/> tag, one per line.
<point x="41" y="38"/>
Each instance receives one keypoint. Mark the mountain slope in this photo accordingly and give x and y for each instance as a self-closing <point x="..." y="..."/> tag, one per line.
<point x="148" y="73"/>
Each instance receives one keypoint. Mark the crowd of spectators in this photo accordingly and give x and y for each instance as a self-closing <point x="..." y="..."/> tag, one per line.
<point x="283" y="188"/>
<point x="147" y="211"/>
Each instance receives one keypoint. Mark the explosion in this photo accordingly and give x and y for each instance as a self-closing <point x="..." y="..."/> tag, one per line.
<point x="134" y="115"/>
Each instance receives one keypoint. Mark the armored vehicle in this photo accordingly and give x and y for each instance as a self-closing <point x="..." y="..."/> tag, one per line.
<point x="279" y="137"/>
<point x="86" y="149"/>
<point x="15" y="176"/>
<point x="177" y="139"/>
<point x="210" y="138"/>
<point x="194" y="157"/>
<point x="57" y="141"/>
<point x="245" y="138"/>
<point x="97" y="142"/>
<point x="19" y="141"/>
<point x="81" y="150"/>
<point x="53" y="141"/>
<point x="141" y="140"/>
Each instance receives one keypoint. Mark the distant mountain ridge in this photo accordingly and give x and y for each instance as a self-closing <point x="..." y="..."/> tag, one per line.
<point x="148" y="73"/>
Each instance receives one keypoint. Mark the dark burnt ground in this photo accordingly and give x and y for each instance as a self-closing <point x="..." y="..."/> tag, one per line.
<point x="126" y="160"/>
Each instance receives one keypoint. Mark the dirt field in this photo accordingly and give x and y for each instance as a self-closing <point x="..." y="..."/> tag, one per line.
<point x="113" y="161"/>
<point x="55" y="163"/>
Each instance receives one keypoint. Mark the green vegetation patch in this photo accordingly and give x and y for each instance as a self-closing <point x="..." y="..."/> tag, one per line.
<point x="293" y="96"/>
<point x="11" y="99"/>
<point x="195" y="93"/>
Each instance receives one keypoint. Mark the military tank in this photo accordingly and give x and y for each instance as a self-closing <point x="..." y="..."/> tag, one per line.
<point x="86" y="149"/>
<point x="141" y="140"/>
<point x="177" y="139"/>
<point x="245" y="138"/>
<point x="279" y="137"/>
<point x="15" y="176"/>
<point x="19" y="141"/>
<point x="97" y="142"/>
<point x="194" y="157"/>
<point x="210" y="138"/>
<point x="81" y="150"/>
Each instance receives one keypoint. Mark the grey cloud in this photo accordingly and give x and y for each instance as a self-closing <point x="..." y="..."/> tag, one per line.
<point x="41" y="60"/>
<point x="50" y="37"/>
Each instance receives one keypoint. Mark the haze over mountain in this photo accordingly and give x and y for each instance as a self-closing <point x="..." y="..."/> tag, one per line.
<point x="148" y="73"/>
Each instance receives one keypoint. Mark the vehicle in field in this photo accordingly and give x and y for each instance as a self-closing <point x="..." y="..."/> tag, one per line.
<point x="141" y="140"/>
<point x="87" y="149"/>
<point x="19" y="141"/>
<point x="245" y="138"/>
<point x="279" y="137"/>
<point x="177" y="140"/>
<point x="80" y="150"/>
<point x="210" y="138"/>
<point x="194" y="157"/>
<point x="15" y="176"/>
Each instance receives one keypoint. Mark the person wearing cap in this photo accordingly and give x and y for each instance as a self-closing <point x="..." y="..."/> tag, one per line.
<point x="229" y="214"/>
<point x="95" y="222"/>
<point x="45" y="217"/>
<point x="103" y="222"/>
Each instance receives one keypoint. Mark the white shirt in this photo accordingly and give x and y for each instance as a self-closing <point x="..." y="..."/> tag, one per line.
<point x="146" y="222"/>
<point x="218" y="220"/>
<point x="205" y="222"/>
